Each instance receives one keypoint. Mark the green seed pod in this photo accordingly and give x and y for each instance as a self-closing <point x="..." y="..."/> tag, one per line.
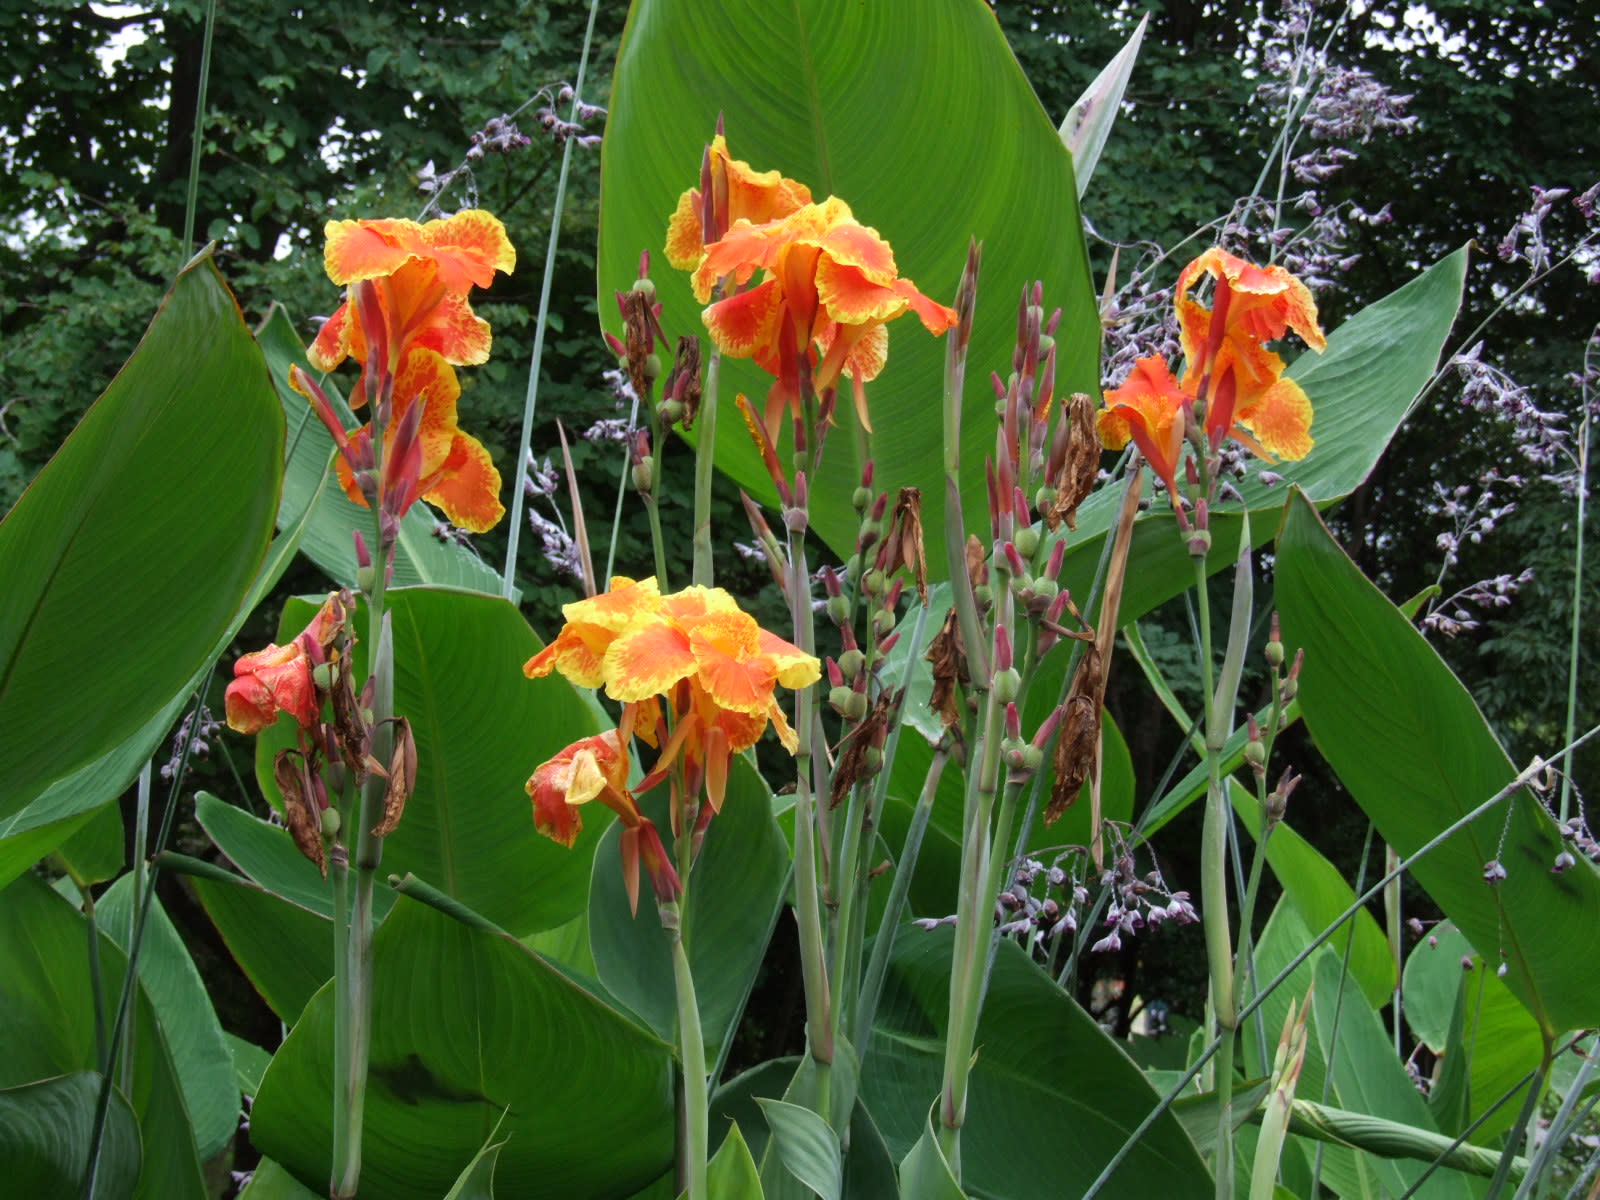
<point x="1007" y="685"/>
<point x="1255" y="753"/>
<point x="857" y="706"/>
<point x="1026" y="541"/>
<point x="1043" y="499"/>
<point x="1045" y="590"/>
<point x="851" y="662"/>
<point x="330" y="823"/>
<point x="670" y="411"/>
<point x="644" y="473"/>
<point x="1032" y="757"/>
<point x="1046" y="344"/>
<point x="645" y="287"/>
<point x="883" y="623"/>
<point x="366" y="577"/>
<point x="839" y="698"/>
<point x="1274" y="653"/>
<point x="874" y="583"/>
<point x="652" y="367"/>
<point x="325" y="675"/>
<point x="861" y="499"/>
<point x="838" y="609"/>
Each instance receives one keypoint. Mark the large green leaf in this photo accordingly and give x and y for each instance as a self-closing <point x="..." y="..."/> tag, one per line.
<point x="1042" y="1065"/>
<point x="1417" y="755"/>
<point x="285" y="951"/>
<point x="48" y="1000"/>
<point x="420" y="557"/>
<point x="193" y="1033"/>
<point x="895" y="108"/>
<point x="170" y="481"/>
<point x="481" y="728"/>
<point x="47" y="1129"/>
<point x="472" y="1028"/>
<point x="734" y="897"/>
<point x="1361" y="388"/>
<point x="1496" y="1036"/>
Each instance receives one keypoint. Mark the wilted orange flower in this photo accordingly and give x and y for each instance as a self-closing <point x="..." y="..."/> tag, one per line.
<point x="829" y="288"/>
<point x="278" y="678"/>
<point x="1248" y="398"/>
<point x="738" y="193"/>
<point x="1148" y="408"/>
<point x="596" y="768"/>
<point x="407" y="319"/>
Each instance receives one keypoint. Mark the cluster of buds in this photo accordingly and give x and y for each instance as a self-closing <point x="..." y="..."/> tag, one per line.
<point x="311" y="679"/>
<point x="1259" y="737"/>
<point x="564" y="129"/>
<point x="639" y="352"/>
<point x="888" y="551"/>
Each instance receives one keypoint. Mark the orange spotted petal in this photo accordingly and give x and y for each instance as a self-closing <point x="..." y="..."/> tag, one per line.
<point x="853" y="296"/>
<point x="684" y="244"/>
<point x="747" y="321"/>
<point x="728" y="665"/>
<point x="466" y="486"/>
<point x="332" y="345"/>
<point x="618" y="607"/>
<point x="1147" y="408"/>
<point x="795" y="668"/>
<point x="1275" y="421"/>
<point x="469" y="248"/>
<point x="647" y="660"/>
<point x="368" y="249"/>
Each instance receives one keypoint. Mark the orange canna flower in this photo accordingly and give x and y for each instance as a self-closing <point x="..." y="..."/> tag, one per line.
<point x="592" y="625"/>
<point x="1247" y="397"/>
<point x="596" y="768"/>
<point x="830" y="286"/>
<point x="1149" y="409"/>
<point x="407" y="321"/>
<point x="278" y="678"/>
<point x="738" y="193"/>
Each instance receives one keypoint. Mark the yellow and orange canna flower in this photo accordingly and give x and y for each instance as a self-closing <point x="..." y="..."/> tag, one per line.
<point x="829" y="288"/>
<point x="1247" y="397"/>
<point x="1147" y="408"/>
<point x="739" y="193"/>
<point x="596" y="768"/>
<point x="692" y="654"/>
<point x="420" y="275"/>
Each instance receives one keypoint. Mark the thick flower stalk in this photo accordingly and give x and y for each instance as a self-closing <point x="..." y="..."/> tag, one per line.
<point x="697" y="679"/>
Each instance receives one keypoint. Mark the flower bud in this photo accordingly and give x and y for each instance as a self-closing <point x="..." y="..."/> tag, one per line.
<point x="1274" y="648"/>
<point x="644" y="474"/>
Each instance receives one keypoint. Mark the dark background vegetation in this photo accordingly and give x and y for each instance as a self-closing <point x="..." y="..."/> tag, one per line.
<point x="334" y="110"/>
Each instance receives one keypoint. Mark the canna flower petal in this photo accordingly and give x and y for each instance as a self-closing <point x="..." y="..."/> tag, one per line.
<point x="1263" y="303"/>
<point x="276" y="679"/>
<point x="647" y="660"/>
<point x="1147" y="408"/>
<point x="751" y="195"/>
<point x="795" y="668"/>
<point x="466" y="486"/>
<point x="592" y="625"/>
<point x="729" y="664"/>
<point x="1275" y="421"/>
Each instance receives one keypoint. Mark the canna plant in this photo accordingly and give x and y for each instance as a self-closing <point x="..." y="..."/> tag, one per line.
<point x="475" y="1000"/>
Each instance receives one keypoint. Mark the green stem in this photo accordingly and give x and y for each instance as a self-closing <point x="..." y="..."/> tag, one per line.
<point x="508" y="574"/>
<point x="889" y="922"/>
<point x="1574" y="644"/>
<point x="339" y="879"/>
<point x="1214" y="897"/>
<point x="974" y="913"/>
<point x="192" y="201"/>
<point x="658" y="542"/>
<point x="807" y="901"/>
<point x="705" y="471"/>
<point x="692" y="1052"/>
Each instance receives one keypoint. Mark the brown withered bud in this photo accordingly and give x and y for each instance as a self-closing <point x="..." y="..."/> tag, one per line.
<point x="683" y="382"/>
<point x="302" y="806"/>
<point x="1073" y="477"/>
<point x="1080" y="735"/>
<point x="977" y="561"/>
<point x="861" y="754"/>
<point x="351" y="734"/>
<point x="640" y="331"/>
<point x="949" y="659"/>
<point x="904" y="548"/>
<point x="402" y="776"/>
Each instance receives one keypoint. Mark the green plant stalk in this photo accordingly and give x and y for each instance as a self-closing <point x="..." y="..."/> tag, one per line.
<point x="889" y="922"/>
<point x="1561" y="1127"/>
<point x="694" y="1136"/>
<point x="1516" y="784"/>
<point x="141" y="892"/>
<point x="1214" y="900"/>
<point x="339" y="881"/>
<point x="197" y="138"/>
<point x="845" y="962"/>
<point x="807" y="900"/>
<point x="705" y="470"/>
<point x="355" y="993"/>
<point x="658" y="543"/>
<point x="1516" y="1137"/>
<point x="1574" y="642"/>
<point x="974" y="921"/>
<point x="508" y="574"/>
